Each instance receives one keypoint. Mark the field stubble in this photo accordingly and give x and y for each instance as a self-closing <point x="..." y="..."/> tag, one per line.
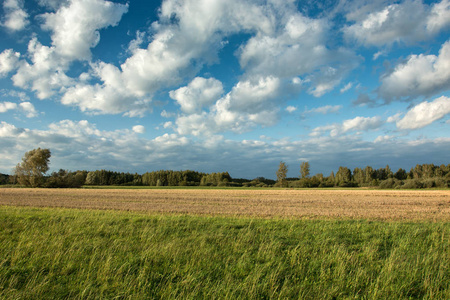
<point x="432" y="205"/>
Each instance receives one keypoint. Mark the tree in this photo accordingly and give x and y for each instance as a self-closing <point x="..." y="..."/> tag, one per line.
<point x="343" y="176"/>
<point x="281" y="174"/>
<point x="30" y="172"/>
<point x="304" y="170"/>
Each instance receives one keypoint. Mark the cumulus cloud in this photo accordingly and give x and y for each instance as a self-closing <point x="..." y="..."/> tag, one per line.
<point x="25" y="107"/>
<point x="420" y="75"/>
<point x="28" y="109"/>
<point x="74" y="31"/>
<point x="409" y="21"/>
<point x="8" y="61"/>
<point x="111" y="97"/>
<point x="75" y="27"/>
<point x="356" y="124"/>
<point x="248" y="104"/>
<point x="45" y="75"/>
<point x="284" y="44"/>
<point x="16" y="18"/>
<point x="5" y="106"/>
<point x="139" y="129"/>
<point x="425" y="113"/>
<point x="290" y="109"/>
<point x="199" y="93"/>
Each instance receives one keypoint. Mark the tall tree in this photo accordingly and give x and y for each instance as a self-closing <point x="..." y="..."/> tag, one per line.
<point x="281" y="174"/>
<point x="30" y="172"/>
<point x="304" y="169"/>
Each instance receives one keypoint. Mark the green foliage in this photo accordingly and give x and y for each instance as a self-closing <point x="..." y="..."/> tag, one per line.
<point x="103" y="177"/>
<point x="4" y="179"/>
<point x="304" y="170"/>
<point x="281" y="175"/>
<point x="66" y="179"/>
<point x="30" y="172"/>
<point x="73" y="254"/>
<point x="343" y="177"/>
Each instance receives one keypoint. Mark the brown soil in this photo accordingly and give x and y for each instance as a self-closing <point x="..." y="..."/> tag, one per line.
<point x="429" y="205"/>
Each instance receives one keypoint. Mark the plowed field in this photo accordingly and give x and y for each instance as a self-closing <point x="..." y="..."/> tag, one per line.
<point x="345" y="204"/>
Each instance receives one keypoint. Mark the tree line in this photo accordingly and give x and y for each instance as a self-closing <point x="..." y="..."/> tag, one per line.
<point x="420" y="176"/>
<point x="31" y="172"/>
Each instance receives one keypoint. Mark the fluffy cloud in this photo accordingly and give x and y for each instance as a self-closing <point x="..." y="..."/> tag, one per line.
<point x="5" y="106"/>
<point x="283" y="48"/>
<point x="28" y="109"/>
<point x="110" y="97"/>
<point x="8" y="61"/>
<point x="248" y="104"/>
<point x="25" y="107"/>
<point x="16" y="18"/>
<point x="356" y="124"/>
<point x="409" y="21"/>
<point x="75" y="27"/>
<point x="425" y="113"/>
<point x="420" y="75"/>
<point x="290" y="109"/>
<point x="139" y="129"/>
<point x="200" y="92"/>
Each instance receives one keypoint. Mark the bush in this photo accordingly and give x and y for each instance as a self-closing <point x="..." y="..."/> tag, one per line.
<point x="412" y="184"/>
<point x="387" y="184"/>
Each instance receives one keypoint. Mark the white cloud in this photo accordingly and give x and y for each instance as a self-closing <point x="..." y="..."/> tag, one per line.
<point x="46" y="73"/>
<point x="9" y="130"/>
<point x="8" y="61"/>
<point x="75" y="27"/>
<point x="346" y="87"/>
<point x="16" y="18"/>
<point x="290" y="109"/>
<point x="378" y="54"/>
<point x="362" y="124"/>
<point x="425" y="113"/>
<point x="408" y="22"/>
<point x="420" y="75"/>
<point x="383" y="138"/>
<point x="439" y="17"/>
<point x="28" y="109"/>
<point x="139" y="129"/>
<point x="199" y="93"/>
<point x="356" y="124"/>
<point x="5" y="106"/>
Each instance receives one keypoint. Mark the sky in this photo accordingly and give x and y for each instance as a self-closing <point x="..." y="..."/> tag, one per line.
<point x="225" y="85"/>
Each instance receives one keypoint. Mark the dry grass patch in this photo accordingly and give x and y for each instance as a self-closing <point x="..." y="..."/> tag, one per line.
<point x="429" y="205"/>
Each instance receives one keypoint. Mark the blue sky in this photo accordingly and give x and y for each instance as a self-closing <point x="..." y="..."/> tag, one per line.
<point x="225" y="85"/>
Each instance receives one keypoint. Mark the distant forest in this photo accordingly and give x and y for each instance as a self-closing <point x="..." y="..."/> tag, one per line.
<point x="421" y="176"/>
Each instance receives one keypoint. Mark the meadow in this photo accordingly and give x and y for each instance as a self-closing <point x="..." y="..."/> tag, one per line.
<point x="227" y="244"/>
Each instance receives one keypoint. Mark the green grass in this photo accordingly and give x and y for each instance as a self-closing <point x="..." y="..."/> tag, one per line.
<point x="62" y="253"/>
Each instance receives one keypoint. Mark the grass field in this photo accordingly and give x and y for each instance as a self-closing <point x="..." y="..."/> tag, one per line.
<point x="235" y="251"/>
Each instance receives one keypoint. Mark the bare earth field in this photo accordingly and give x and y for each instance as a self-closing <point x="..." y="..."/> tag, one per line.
<point x="346" y="204"/>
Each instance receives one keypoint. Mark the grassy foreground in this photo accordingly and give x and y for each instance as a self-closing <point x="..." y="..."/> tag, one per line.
<point x="87" y="254"/>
